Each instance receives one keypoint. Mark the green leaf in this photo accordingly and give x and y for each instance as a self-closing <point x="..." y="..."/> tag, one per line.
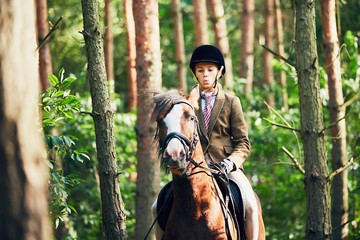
<point x="83" y="155"/>
<point x="67" y="82"/>
<point x="68" y="141"/>
<point x="66" y="93"/>
<point x="69" y="99"/>
<point x="59" y="93"/>
<point x="45" y="99"/>
<point x="61" y="74"/>
<point x="57" y="140"/>
<point x="69" y="114"/>
<point x="53" y="80"/>
<point x="48" y="121"/>
<point x="47" y="108"/>
<point x="78" y="158"/>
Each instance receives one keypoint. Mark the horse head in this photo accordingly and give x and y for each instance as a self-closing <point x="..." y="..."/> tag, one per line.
<point x="177" y="131"/>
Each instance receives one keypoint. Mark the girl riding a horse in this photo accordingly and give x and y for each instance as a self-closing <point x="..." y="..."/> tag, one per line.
<point x="221" y="131"/>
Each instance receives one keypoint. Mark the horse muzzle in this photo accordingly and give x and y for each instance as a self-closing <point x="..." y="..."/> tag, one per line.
<point x="179" y="164"/>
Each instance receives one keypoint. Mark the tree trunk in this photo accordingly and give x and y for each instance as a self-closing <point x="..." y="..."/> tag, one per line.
<point x="280" y="50"/>
<point x="247" y="45"/>
<point x="23" y="173"/>
<point x="340" y="205"/>
<point x="109" y="48"/>
<point x="131" y="57"/>
<point x="268" y="57"/>
<point x="222" y="41"/>
<point x="148" y="67"/>
<point x="45" y="65"/>
<point x="179" y="45"/>
<point x="317" y="185"/>
<point x="200" y="22"/>
<point x="113" y="213"/>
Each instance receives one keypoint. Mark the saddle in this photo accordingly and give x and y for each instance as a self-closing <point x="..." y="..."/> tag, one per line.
<point x="165" y="201"/>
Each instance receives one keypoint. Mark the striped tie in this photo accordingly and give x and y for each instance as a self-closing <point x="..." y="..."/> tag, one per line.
<point x="208" y="108"/>
<point x="207" y="111"/>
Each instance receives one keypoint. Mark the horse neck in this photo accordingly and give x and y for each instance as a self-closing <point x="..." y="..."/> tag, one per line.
<point x="197" y="181"/>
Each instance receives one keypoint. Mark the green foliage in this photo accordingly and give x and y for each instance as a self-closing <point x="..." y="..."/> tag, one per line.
<point x="86" y="197"/>
<point x="57" y="102"/>
<point x="351" y="88"/>
<point x="278" y="184"/>
<point x="275" y="179"/>
<point x="58" y="107"/>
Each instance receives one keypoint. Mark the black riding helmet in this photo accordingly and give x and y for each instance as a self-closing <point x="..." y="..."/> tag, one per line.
<point x="207" y="53"/>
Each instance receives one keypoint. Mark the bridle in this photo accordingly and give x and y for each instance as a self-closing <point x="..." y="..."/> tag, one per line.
<point x="188" y="145"/>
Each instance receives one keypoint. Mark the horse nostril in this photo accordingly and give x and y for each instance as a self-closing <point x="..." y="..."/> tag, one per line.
<point x="181" y="152"/>
<point x="166" y="153"/>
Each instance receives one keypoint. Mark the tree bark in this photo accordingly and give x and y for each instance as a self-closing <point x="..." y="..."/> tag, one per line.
<point x="131" y="57"/>
<point x="113" y="213"/>
<point x="148" y="67"/>
<point x="340" y="195"/>
<point x="247" y="45"/>
<point x="23" y="172"/>
<point x="317" y="185"/>
<point x="222" y="41"/>
<point x="179" y="45"/>
<point x="109" y="48"/>
<point x="281" y="51"/>
<point x="268" y="57"/>
<point x="200" y="22"/>
<point x="45" y="65"/>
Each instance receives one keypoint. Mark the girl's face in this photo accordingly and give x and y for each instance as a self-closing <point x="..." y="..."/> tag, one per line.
<point x="206" y="74"/>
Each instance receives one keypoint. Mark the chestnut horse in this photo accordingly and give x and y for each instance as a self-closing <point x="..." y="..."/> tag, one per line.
<point x="198" y="210"/>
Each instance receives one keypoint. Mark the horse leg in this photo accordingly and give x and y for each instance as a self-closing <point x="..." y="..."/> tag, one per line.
<point x="158" y="231"/>
<point x="250" y="205"/>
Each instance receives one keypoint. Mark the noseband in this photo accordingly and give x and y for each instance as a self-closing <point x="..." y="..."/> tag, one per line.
<point x="188" y="145"/>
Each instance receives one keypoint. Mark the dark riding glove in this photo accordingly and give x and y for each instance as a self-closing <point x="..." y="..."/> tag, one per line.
<point x="226" y="165"/>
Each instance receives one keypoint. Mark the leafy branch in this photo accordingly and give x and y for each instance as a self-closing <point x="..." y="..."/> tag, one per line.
<point x="59" y="106"/>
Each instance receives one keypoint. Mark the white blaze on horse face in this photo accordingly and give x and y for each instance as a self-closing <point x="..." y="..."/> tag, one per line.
<point x="173" y="123"/>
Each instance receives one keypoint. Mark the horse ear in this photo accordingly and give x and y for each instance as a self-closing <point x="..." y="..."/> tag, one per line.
<point x="193" y="97"/>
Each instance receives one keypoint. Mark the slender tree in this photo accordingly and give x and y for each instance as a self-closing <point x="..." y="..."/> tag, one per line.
<point x="109" y="47"/>
<point x="222" y="40"/>
<point x="269" y="42"/>
<point x="317" y="184"/>
<point x="131" y="51"/>
<point x="23" y="173"/>
<point x="281" y="51"/>
<point x="200" y="22"/>
<point x="179" y="45"/>
<point x="340" y="204"/>
<point x="247" y="45"/>
<point x="45" y="65"/>
<point x="113" y="213"/>
<point x="148" y="68"/>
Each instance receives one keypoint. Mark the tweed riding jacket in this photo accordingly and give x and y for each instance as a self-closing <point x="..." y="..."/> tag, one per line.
<point x="227" y="136"/>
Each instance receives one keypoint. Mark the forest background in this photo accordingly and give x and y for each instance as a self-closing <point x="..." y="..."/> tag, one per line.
<point x="75" y="193"/>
